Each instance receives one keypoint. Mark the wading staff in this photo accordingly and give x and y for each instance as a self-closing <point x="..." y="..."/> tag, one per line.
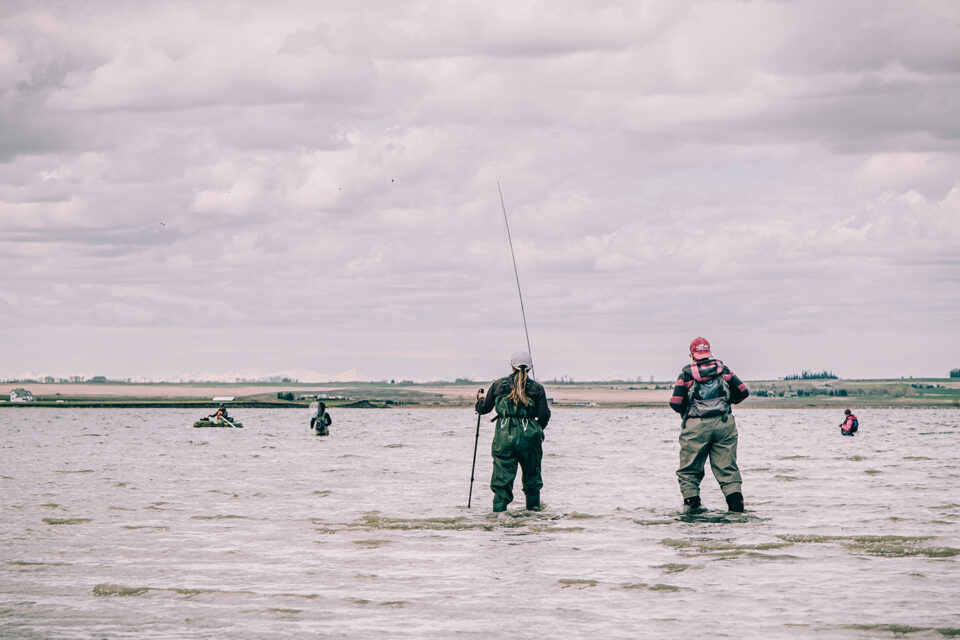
<point x="476" y="441"/>
<point x="516" y="275"/>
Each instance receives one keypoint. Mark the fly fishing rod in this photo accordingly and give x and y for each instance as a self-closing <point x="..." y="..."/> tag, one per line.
<point x="516" y="275"/>
<point x="523" y="314"/>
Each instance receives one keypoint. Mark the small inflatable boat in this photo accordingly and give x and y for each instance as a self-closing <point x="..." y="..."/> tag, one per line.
<point x="207" y="422"/>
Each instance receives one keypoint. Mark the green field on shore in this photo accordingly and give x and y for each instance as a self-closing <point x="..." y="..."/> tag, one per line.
<point x="931" y="392"/>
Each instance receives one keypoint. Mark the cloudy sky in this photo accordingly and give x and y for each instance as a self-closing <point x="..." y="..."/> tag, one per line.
<point x="232" y="188"/>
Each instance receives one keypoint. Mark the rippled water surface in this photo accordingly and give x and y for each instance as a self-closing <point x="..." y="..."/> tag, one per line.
<point x="132" y="524"/>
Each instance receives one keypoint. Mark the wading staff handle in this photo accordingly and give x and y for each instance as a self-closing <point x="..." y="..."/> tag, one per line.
<point x="476" y="441"/>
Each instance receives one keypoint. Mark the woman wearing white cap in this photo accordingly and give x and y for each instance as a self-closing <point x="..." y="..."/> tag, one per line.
<point x="522" y="415"/>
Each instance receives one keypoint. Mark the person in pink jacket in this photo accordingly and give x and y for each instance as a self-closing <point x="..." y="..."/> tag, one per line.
<point x="850" y="424"/>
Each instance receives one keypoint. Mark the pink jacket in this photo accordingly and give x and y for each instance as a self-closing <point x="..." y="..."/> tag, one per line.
<point x="848" y="422"/>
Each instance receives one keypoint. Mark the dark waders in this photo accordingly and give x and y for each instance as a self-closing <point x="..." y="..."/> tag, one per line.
<point x="713" y="438"/>
<point x="517" y="440"/>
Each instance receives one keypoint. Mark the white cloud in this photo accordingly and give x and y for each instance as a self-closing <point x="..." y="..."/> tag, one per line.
<point x="223" y="174"/>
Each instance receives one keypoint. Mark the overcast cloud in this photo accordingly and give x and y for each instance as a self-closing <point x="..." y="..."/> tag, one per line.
<point x="242" y="188"/>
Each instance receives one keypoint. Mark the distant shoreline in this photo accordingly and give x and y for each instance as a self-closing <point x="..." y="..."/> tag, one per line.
<point x="781" y="394"/>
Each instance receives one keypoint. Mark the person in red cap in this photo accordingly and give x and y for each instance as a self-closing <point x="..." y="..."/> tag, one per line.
<point x="702" y="395"/>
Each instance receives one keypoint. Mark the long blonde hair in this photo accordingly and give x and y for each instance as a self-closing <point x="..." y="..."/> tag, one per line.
<point x="519" y="392"/>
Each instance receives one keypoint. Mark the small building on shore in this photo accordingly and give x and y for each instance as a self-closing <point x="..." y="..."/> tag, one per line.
<point x="21" y="395"/>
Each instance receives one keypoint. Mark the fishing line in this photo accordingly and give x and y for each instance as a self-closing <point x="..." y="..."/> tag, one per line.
<point x="523" y="313"/>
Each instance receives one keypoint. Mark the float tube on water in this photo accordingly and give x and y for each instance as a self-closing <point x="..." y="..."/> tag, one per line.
<point x="207" y="422"/>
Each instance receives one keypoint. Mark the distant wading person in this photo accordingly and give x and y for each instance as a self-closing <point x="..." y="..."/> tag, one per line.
<point x="703" y="395"/>
<point x="522" y="415"/>
<point x="321" y="422"/>
<point x="220" y="414"/>
<point x="850" y="424"/>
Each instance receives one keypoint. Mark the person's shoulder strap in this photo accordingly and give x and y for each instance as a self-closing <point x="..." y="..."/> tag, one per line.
<point x="695" y="371"/>
<point x="698" y="375"/>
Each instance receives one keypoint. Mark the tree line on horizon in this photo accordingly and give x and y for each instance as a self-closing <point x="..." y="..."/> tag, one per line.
<point x="812" y="375"/>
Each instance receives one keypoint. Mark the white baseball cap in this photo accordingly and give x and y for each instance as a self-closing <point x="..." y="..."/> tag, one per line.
<point x="521" y="359"/>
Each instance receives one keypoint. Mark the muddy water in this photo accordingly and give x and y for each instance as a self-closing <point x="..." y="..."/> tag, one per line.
<point x="133" y="524"/>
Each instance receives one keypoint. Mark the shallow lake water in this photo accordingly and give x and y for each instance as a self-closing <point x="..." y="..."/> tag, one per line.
<point x="132" y="524"/>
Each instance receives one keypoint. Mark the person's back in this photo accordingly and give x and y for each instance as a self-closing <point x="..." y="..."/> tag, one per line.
<point x="507" y="407"/>
<point x="709" y="395"/>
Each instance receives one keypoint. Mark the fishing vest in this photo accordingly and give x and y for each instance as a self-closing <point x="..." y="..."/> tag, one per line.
<point x="708" y="395"/>
<point x="507" y="408"/>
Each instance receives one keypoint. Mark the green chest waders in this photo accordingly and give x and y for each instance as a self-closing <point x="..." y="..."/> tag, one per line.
<point x="517" y="440"/>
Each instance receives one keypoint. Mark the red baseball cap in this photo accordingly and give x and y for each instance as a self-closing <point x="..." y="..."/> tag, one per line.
<point x="700" y="348"/>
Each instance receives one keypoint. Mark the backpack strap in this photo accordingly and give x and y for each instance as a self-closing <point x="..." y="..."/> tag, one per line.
<point x="695" y="371"/>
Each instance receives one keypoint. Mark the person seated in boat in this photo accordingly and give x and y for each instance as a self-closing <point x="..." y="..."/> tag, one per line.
<point x="850" y="424"/>
<point x="221" y="414"/>
<point x="321" y="421"/>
